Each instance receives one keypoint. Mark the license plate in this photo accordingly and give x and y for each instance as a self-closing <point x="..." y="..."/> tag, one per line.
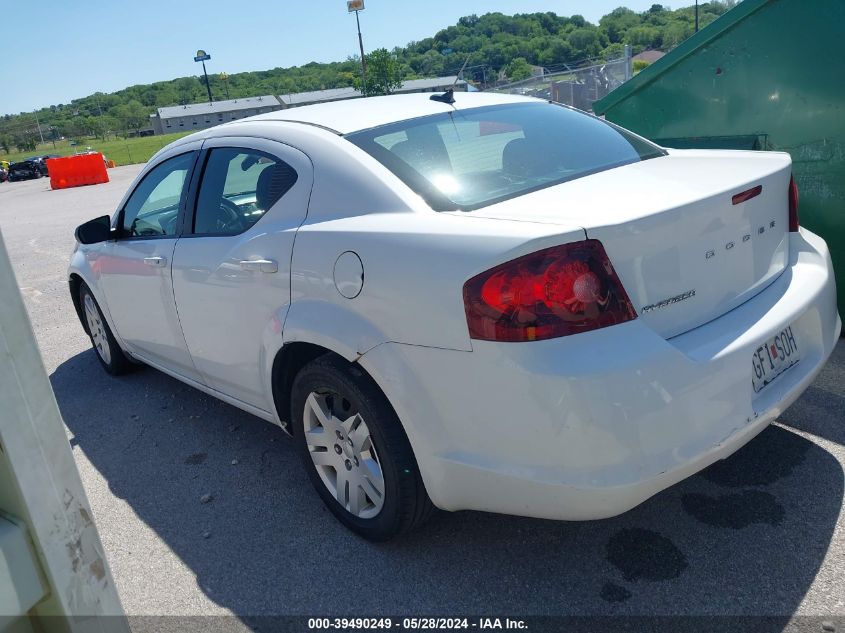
<point x="774" y="357"/>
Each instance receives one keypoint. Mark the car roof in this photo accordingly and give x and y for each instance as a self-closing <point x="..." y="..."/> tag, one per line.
<point x="353" y="115"/>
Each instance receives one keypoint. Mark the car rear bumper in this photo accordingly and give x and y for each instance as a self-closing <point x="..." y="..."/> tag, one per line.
<point x="589" y="426"/>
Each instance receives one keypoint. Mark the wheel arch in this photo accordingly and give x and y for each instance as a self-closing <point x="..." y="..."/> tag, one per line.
<point x="75" y="282"/>
<point x="287" y="363"/>
<point x="313" y="327"/>
<point x="76" y="277"/>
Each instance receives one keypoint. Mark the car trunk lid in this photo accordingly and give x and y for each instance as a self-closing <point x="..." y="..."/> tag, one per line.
<point x="684" y="242"/>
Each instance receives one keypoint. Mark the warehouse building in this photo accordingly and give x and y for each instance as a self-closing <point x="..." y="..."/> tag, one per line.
<point x="434" y="84"/>
<point x="199" y="116"/>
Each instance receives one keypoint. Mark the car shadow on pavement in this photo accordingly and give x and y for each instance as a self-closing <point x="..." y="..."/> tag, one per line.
<point x="746" y="536"/>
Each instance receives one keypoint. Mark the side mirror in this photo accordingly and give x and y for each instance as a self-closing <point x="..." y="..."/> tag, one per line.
<point x="94" y="231"/>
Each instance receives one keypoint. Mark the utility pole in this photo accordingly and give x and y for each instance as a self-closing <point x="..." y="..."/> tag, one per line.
<point x="38" y="125"/>
<point x="356" y="6"/>
<point x="696" y="16"/>
<point x="202" y="56"/>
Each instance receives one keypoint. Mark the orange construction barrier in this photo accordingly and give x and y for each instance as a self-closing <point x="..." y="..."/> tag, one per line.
<point x="75" y="171"/>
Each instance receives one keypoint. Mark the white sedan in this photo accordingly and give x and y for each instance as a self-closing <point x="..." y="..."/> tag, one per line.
<point x="494" y="304"/>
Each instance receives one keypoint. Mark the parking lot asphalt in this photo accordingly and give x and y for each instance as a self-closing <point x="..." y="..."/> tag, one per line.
<point x="761" y="533"/>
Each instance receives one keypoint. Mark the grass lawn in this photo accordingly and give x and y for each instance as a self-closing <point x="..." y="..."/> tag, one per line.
<point x="121" y="151"/>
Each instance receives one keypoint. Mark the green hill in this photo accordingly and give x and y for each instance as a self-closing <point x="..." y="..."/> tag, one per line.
<point x="499" y="47"/>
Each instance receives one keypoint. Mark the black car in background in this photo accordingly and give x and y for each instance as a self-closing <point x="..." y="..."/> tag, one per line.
<point x="26" y="170"/>
<point x="41" y="162"/>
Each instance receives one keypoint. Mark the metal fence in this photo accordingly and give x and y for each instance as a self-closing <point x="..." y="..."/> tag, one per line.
<point x="577" y="87"/>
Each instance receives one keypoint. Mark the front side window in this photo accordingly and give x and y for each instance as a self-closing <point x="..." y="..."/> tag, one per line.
<point x="238" y="187"/>
<point x="153" y="208"/>
<point x="468" y="159"/>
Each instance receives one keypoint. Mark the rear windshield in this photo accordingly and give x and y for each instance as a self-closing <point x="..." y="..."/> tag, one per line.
<point x="468" y="159"/>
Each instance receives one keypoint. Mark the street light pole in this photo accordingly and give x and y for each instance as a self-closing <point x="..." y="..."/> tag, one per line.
<point x="356" y="6"/>
<point x="361" y="46"/>
<point x="207" y="85"/>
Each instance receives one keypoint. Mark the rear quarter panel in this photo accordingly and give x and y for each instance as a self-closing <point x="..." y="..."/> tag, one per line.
<point x="414" y="265"/>
<point x="415" y="260"/>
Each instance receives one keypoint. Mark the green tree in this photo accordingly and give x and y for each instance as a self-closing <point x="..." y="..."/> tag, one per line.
<point x="186" y="87"/>
<point x="100" y="126"/>
<point x="384" y="73"/>
<point x="614" y="51"/>
<point x="643" y="37"/>
<point x="617" y="22"/>
<point x="518" y="69"/>
<point x="586" y="42"/>
<point x="675" y="33"/>
<point x="558" y="51"/>
<point x="133" y="115"/>
<point x="25" y="141"/>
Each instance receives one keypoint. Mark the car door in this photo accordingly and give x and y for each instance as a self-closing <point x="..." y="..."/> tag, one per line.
<point x="134" y="269"/>
<point x="231" y="269"/>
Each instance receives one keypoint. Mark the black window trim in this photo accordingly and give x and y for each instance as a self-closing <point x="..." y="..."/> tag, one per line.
<point x="119" y="234"/>
<point x="187" y="222"/>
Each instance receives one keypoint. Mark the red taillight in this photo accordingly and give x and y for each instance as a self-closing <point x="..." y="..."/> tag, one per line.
<point x="554" y="292"/>
<point x="793" y="205"/>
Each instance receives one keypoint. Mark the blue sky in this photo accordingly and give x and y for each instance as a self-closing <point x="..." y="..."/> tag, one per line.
<point x="74" y="48"/>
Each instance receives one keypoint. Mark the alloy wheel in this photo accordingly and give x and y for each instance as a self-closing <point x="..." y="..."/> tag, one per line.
<point x="97" y="329"/>
<point x="341" y="448"/>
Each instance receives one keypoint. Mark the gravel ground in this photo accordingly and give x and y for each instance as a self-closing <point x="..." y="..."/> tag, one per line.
<point x="758" y="534"/>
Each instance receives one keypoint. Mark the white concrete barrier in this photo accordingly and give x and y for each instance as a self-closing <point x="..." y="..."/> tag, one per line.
<point x="53" y="572"/>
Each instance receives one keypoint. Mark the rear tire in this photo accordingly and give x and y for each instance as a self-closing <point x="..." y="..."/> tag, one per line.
<point x="108" y="352"/>
<point x="355" y="450"/>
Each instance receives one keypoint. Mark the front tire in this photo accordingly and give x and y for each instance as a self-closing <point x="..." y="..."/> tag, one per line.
<point x="108" y="352"/>
<point x="355" y="450"/>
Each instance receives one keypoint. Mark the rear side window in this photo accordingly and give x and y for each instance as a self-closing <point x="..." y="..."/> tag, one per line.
<point x="238" y="187"/>
<point x="468" y="159"/>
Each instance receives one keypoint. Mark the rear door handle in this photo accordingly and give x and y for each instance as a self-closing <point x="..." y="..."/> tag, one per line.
<point x="155" y="261"/>
<point x="261" y="265"/>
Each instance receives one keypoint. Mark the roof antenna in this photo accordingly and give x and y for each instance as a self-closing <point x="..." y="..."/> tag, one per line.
<point x="449" y="95"/>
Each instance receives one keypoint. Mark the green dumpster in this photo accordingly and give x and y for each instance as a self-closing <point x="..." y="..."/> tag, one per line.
<point x="767" y="75"/>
